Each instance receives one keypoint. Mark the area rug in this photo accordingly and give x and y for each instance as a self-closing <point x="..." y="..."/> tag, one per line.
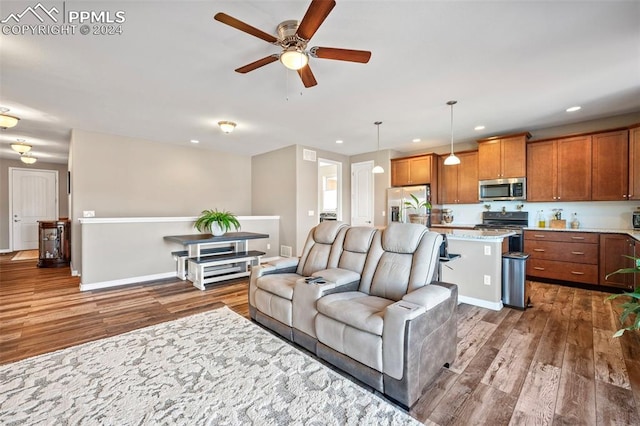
<point x="214" y="368"/>
<point x="26" y="255"/>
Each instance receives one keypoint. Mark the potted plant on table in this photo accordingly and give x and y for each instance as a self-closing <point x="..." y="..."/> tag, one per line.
<point x="416" y="205"/>
<point x="217" y="222"/>
<point x="631" y="308"/>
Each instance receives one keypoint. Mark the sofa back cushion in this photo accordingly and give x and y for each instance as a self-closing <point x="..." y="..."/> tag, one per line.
<point x="357" y="241"/>
<point x="326" y="237"/>
<point x="401" y="260"/>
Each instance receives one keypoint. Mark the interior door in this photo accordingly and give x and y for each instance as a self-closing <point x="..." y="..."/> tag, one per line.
<point x="34" y="197"/>
<point x="362" y="186"/>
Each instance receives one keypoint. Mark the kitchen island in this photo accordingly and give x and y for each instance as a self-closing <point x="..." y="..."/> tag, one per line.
<point x="478" y="271"/>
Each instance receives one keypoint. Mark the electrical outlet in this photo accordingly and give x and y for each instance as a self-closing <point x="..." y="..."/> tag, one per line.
<point x="487" y="280"/>
<point x="487" y="251"/>
<point x="384" y="213"/>
<point x="88" y="213"/>
<point x="311" y="213"/>
<point x="268" y="246"/>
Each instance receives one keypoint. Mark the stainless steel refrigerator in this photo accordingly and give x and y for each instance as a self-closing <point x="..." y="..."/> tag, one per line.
<point x="396" y="197"/>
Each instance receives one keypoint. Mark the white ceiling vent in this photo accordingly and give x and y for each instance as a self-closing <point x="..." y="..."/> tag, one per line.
<point x="308" y="155"/>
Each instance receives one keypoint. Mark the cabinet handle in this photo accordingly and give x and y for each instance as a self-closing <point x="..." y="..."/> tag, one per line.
<point x="538" y="236"/>
<point x="577" y="252"/>
<point x="577" y="273"/>
<point x="540" y="250"/>
<point x="538" y="268"/>
<point x="577" y="238"/>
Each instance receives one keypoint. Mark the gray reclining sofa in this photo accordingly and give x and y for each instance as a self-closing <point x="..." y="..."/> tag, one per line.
<point x="376" y="313"/>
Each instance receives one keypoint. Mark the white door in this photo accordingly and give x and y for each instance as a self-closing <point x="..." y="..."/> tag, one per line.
<point x="362" y="186"/>
<point x="34" y="197"/>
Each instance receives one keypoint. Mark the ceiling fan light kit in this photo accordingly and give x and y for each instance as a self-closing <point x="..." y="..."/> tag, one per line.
<point x="293" y="37"/>
<point x="7" y="121"/>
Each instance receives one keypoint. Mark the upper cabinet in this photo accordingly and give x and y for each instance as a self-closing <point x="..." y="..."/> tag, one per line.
<point x="610" y="178"/>
<point x="559" y="170"/>
<point x="634" y="164"/>
<point x="503" y="157"/>
<point x="418" y="170"/>
<point x="459" y="183"/>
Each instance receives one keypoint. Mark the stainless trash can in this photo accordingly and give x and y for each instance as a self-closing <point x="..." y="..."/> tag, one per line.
<point x="514" y="289"/>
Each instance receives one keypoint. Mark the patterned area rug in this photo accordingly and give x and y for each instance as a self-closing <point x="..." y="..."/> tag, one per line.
<point x="26" y="255"/>
<point x="215" y="368"/>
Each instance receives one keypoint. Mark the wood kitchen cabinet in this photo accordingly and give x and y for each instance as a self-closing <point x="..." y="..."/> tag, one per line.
<point x="559" y="170"/>
<point x="634" y="164"/>
<point x="564" y="256"/>
<point x="610" y="173"/>
<point x="503" y="157"/>
<point x="459" y="183"/>
<point x="613" y="249"/>
<point x="417" y="170"/>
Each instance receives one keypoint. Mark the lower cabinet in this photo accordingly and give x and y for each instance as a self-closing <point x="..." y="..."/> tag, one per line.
<point x="564" y="256"/>
<point x="613" y="251"/>
<point x="581" y="257"/>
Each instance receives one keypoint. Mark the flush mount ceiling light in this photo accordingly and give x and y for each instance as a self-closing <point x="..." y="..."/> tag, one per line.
<point x="574" y="108"/>
<point x="478" y="128"/>
<point x="7" y="121"/>
<point x="378" y="169"/>
<point x="294" y="58"/>
<point x="451" y="160"/>
<point x="28" y="159"/>
<point x="20" y="146"/>
<point x="227" y="126"/>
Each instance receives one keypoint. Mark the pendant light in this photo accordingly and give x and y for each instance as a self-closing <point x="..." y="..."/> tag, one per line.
<point x="378" y="169"/>
<point x="451" y="160"/>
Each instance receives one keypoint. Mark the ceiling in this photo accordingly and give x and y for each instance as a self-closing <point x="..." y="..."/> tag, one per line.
<point x="169" y="77"/>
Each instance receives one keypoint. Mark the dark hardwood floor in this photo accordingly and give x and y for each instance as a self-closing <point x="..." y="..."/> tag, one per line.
<point x="555" y="363"/>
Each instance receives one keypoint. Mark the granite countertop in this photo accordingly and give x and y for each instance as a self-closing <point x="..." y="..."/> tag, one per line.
<point x="471" y="234"/>
<point x="635" y="233"/>
<point x="452" y="225"/>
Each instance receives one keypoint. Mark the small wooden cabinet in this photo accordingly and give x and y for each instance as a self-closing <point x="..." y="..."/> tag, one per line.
<point x="610" y="175"/>
<point x="54" y="243"/>
<point x="564" y="256"/>
<point x="559" y="170"/>
<point x="634" y="164"/>
<point x="417" y="170"/>
<point x="503" y="157"/>
<point x="459" y="183"/>
<point x="613" y="249"/>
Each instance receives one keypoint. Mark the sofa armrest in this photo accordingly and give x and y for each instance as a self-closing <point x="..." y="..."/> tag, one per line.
<point x="305" y="297"/>
<point x="428" y="296"/>
<point x="393" y="335"/>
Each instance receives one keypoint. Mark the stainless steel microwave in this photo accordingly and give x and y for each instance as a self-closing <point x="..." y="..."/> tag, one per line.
<point x="502" y="189"/>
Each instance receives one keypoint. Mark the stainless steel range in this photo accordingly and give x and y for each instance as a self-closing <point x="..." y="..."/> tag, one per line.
<point x="508" y="221"/>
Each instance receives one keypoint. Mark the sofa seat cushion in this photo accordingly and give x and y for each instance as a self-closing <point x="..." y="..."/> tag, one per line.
<point x="338" y="275"/>
<point x="281" y="285"/>
<point x="355" y="309"/>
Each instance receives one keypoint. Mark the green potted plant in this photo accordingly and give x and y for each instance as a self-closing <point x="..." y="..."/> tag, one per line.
<point x="217" y="222"/>
<point x="417" y="205"/>
<point x="631" y="308"/>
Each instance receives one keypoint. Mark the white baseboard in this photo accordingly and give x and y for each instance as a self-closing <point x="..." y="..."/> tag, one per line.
<point x="125" y="281"/>
<point x="5" y="250"/>
<point x="494" y="306"/>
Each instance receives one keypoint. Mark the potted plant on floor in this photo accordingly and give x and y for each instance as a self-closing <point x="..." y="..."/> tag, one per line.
<point x="417" y="205"/>
<point x="631" y="308"/>
<point x="217" y="222"/>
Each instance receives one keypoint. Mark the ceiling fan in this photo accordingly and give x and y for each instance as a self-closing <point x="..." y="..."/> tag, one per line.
<point x="293" y="37"/>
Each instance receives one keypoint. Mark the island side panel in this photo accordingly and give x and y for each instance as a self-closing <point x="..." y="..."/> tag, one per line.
<point x="471" y="269"/>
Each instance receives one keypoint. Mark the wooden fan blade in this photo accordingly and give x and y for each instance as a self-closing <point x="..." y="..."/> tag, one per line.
<point x="257" y="64"/>
<point x="239" y="25"/>
<point x="307" y="76"/>
<point x="316" y="14"/>
<point x="361" y="56"/>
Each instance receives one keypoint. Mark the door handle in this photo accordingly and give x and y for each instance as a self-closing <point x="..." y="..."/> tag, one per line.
<point x="16" y="220"/>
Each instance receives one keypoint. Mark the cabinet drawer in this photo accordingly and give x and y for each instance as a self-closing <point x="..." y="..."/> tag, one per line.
<point x="565" y="271"/>
<point x="565" y="236"/>
<point x="561" y="251"/>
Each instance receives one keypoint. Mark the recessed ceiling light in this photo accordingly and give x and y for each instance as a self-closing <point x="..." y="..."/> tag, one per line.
<point x="478" y="128"/>
<point x="195" y="141"/>
<point x="339" y="141"/>
<point x="416" y="140"/>
<point x="573" y="108"/>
